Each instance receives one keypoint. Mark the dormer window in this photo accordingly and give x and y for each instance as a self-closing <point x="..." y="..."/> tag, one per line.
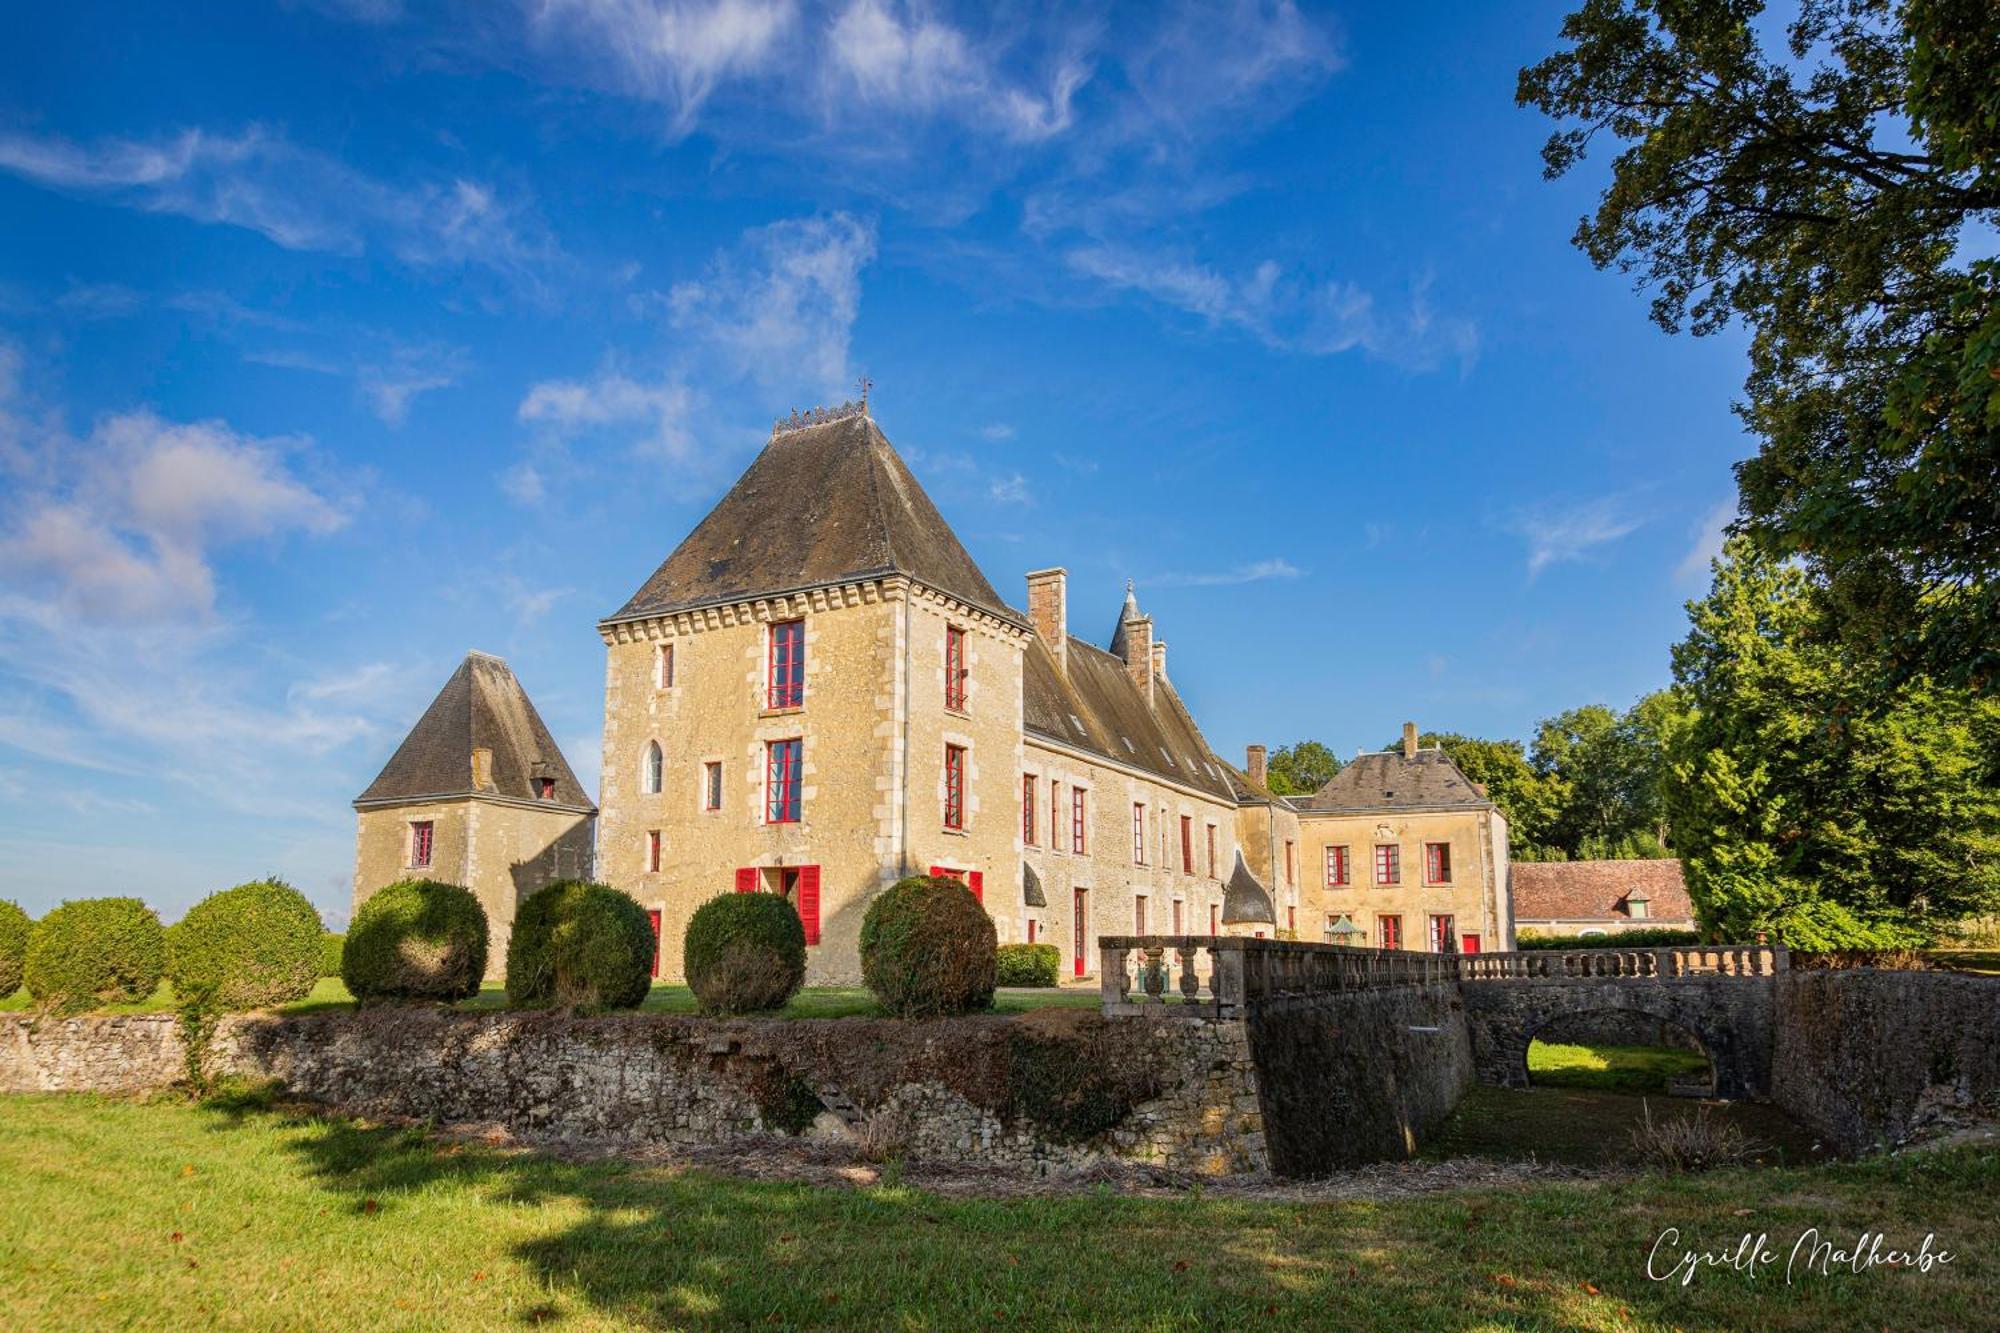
<point x="545" y="788"/>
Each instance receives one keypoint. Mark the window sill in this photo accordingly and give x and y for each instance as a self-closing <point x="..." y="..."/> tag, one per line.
<point x="951" y="832"/>
<point x="960" y="712"/>
<point x="787" y="711"/>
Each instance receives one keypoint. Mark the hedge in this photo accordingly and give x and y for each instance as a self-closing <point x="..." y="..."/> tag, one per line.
<point x="1644" y="937"/>
<point x="95" y="951"/>
<point x="417" y="939"/>
<point x="15" y="926"/>
<point x="249" y="947"/>
<point x="928" y="949"/>
<point x="1028" y="965"/>
<point x="744" y="953"/>
<point x="578" y="945"/>
<point x="330" y="948"/>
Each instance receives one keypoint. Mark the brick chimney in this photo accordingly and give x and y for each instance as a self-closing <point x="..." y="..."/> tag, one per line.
<point x="1048" y="611"/>
<point x="1254" y="763"/>
<point x="1139" y="655"/>
<point x="1409" y="740"/>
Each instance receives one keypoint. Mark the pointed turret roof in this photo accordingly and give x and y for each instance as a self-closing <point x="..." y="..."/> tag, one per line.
<point x="1244" y="901"/>
<point x="825" y="503"/>
<point x="1126" y="613"/>
<point x="482" y="707"/>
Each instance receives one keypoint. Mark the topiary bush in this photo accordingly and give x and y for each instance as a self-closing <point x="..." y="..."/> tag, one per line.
<point x="330" y="947"/>
<point x="928" y="949"/>
<point x="744" y="953"/>
<point x="93" y="952"/>
<point x="14" y="928"/>
<point x="579" y="945"/>
<point x="1028" y="965"/>
<point x="417" y="939"/>
<point x="249" y="947"/>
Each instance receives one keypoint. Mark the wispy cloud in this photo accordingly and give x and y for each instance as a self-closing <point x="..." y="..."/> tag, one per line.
<point x="387" y="382"/>
<point x="609" y="398"/>
<point x="1709" y="534"/>
<point x="1011" y="489"/>
<point x="1256" y="571"/>
<point x="293" y="196"/>
<point x="1557" y="533"/>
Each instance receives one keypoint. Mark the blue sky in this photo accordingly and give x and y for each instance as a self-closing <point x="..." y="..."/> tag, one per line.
<point x="339" y="337"/>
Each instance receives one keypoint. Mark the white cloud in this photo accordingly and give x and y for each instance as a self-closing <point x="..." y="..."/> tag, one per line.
<point x="609" y="398"/>
<point x="1563" y="532"/>
<point x="1311" y="318"/>
<point x="295" y="197"/>
<point x="1010" y="489"/>
<point x="674" y="52"/>
<point x="1709" y="534"/>
<point x="999" y="430"/>
<point x="387" y="383"/>
<point x="1256" y="571"/>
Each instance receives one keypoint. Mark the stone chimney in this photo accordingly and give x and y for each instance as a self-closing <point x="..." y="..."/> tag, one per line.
<point x="1160" y="658"/>
<point x="482" y="769"/>
<point x="1139" y="655"/>
<point x="1254" y="763"/>
<point x="1048" y="611"/>
<point x="1409" y="740"/>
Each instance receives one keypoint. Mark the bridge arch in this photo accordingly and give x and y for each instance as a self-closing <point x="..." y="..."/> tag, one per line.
<point x="1625" y="1027"/>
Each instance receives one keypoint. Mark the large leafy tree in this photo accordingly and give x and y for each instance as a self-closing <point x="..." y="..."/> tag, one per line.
<point x="1601" y="775"/>
<point x="1301" y="768"/>
<point x="1801" y="803"/>
<point x="1502" y="768"/>
<point x="1838" y="197"/>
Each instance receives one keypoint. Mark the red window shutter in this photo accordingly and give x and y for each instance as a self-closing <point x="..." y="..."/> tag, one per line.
<point x="938" y="872"/>
<point x="746" y="880"/>
<point x="809" y="902"/>
<point x="976" y="881"/>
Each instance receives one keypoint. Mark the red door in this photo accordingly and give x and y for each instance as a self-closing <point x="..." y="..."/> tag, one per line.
<point x="1077" y="934"/>
<point x="1468" y="944"/>
<point x="654" y="916"/>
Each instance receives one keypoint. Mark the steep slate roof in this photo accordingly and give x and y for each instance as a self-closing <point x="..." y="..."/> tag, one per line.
<point x="1031" y="887"/>
<point x="822" y="504"/>
<point x="1597" y="890"/>
<point x="1385" y="780"/>
<point x="1098" y="708"/>
<point x="1244" y="901"/>
<point x="481" y="706"/>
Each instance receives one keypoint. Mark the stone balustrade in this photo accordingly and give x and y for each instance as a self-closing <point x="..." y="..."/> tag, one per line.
<point x="1722" y="960"/>
<point x="1224" y="976"/>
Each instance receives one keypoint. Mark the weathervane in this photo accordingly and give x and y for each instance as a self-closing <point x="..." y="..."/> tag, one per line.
<point x="866" y="384"/>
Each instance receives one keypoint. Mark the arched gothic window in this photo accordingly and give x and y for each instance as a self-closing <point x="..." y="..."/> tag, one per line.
<point x="654" y="776"/>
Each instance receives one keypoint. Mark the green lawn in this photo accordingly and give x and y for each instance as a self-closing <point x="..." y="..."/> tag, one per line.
<point x="1612" y="1068"/>
<point x="166" y="1215"/>
<point x="812" y="1002"/>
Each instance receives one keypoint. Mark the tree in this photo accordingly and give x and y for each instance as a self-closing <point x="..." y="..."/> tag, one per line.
<point x="1833" y="198"/>
<point x="1300" y="769"/>
<point x="1502" y="768"/>
<point x="1601" y="776"/>
<point x="1801" y="803"/>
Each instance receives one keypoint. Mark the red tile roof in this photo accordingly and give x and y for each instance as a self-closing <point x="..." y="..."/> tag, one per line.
<point x="1597" y="890"/>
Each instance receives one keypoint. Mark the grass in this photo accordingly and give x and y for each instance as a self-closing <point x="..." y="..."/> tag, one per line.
<point x="1648" y="1069"/>
<point x="812" y="1002"/>
<point x="1593" y="1128"/>
<point x="169" y="1215"/>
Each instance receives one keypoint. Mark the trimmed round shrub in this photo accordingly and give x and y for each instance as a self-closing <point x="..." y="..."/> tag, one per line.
<point x="249" y="947"/>
<point x="417" y="939"/>
<point x="93" y="952"/>
<point x="928" y="949"/>
<point x="744" y="953"/>
<point x="330" y="946"/>
<point x="579" y="945"/>
<point x="1028" y="965"/>
<point x="14" y="928"/>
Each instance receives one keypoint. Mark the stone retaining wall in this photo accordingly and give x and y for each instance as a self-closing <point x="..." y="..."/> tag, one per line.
<point x="1868" y="1057"/>
<point x="1056" y="1090"/>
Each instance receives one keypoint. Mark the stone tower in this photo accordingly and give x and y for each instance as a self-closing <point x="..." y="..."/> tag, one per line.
<point x="477" y="794"/>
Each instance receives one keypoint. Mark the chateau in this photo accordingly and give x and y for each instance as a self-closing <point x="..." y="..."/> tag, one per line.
<point x="818" y="693"/>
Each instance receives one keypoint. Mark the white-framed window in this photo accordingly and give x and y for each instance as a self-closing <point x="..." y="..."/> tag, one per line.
<point x="653" y="769"/>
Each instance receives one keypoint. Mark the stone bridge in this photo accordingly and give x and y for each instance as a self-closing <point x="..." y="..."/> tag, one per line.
<point x="1726" y="998"/>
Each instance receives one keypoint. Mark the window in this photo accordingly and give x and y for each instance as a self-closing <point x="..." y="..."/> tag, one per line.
<point x="954" y="786"/>
<point x="654" y="772"/>
<point x="1388" y="864"/>
<point x="1139" y="914"/>
<point x="1028" y="809"/>
<point x="1177" y="916"/>
<point x="1444" y="935"/>
<point x="1638" y="908"/>
<point x="954" y="668"/>
<point x="1138" y="833"/>
<point x="1337" y="871"/>
<point x="711" y="785"/>
<point x="786" y="671"/>
<point x="1437" y="863"/>
<point x="545" y="788"/>
<point x="1076" y="821"/>
<point x="663" y="667"/>
<point x="1211" y="851"/>
<point x="420" y="842"/>
<point x="1291" y="865"/>
<point x="653" y="852"/>
<point x="1214" y="919"/>
<point x="781" y="781"/>
<point x="1031" y="930"/>
<point x="1055" y="814"/>
<point x="1187" y="847"/>
<point x="1292" y="920"/>
<point x="1389" y="932"/>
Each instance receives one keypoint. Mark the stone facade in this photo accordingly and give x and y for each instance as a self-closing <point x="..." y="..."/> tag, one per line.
<point x="1475" y="898"/>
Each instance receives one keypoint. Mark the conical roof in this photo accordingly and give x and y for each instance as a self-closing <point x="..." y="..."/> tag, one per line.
<point x="823" y="504"/>
<point x="1244" y="901"/>
<point x="1128" y="612"/>
<point x="482" y="707"/>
